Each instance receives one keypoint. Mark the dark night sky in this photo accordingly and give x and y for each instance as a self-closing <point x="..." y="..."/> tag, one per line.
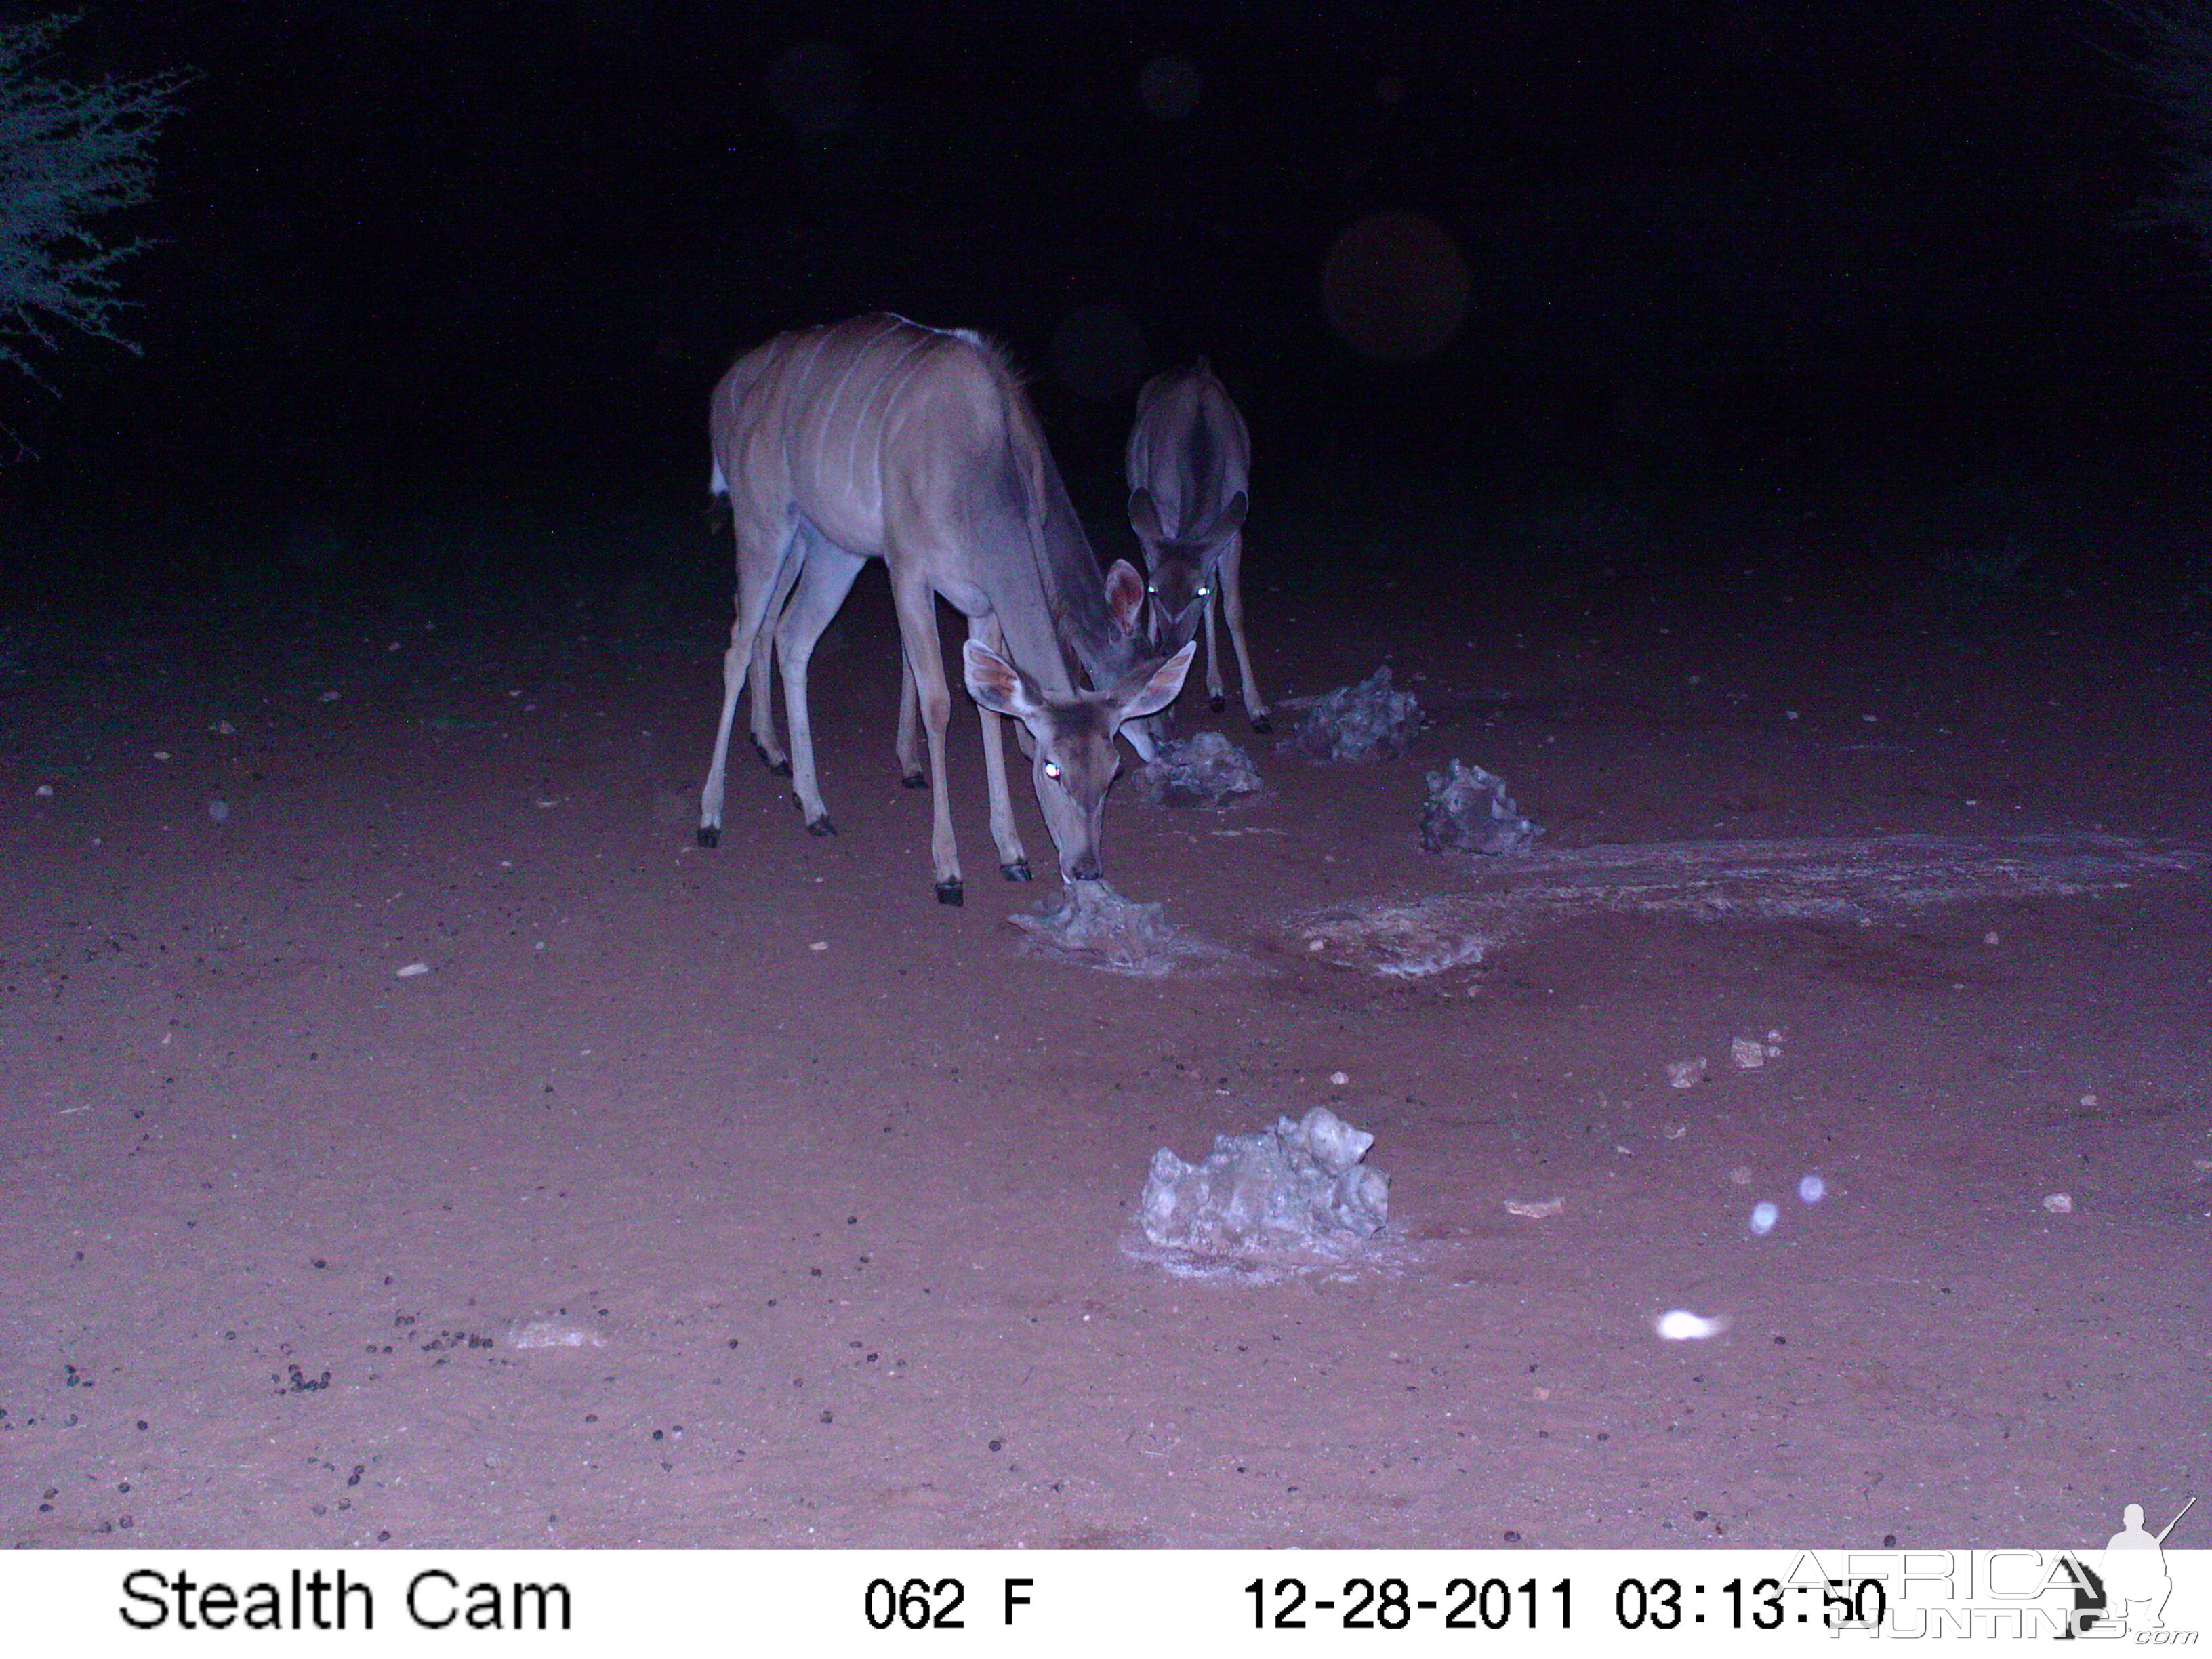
<point x="480" y="241"/>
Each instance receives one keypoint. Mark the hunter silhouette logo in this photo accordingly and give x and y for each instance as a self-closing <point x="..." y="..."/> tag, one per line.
<point x="2127" y="1588"/>
<point x="2135" y="1570"/>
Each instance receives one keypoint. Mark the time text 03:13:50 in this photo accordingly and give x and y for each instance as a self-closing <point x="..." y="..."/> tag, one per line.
<point x="1497" y="1604"/>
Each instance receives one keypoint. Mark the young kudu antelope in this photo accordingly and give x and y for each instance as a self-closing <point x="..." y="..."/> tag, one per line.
<point x="1189" y="469"/>
<point x="878" y="438"/>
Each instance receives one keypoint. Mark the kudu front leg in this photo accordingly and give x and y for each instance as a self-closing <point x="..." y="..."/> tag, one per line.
<point x="917" y="613"/>
<point x="1214" y="700"/>
<point x="1232" y="598"/>
<point x="1013" y="863"/>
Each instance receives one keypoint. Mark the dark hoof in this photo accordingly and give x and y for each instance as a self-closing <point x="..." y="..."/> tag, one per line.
<point x="914" y="779"/>
<point x="1018" y="871"/>
<point x="710" y="834"/>
<point x="948" y="892"/>
<point x="1217" y="702"/>
<point x="820" y="827"/>
<point x="780" y="767"/>
<point x="1261" y="723"/>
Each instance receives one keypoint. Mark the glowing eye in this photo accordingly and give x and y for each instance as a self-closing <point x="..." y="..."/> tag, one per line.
<point x="1052" y="770"/>
<point x="1152" y="589"/>
<point x="1203" y="591"/>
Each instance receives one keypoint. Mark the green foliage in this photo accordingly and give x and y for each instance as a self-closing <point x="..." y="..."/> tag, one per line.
<point x="72" y="153"/>
<point x="2175" y="65"/>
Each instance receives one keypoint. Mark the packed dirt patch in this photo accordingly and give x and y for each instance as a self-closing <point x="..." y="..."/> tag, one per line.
<point x="750" y="1197"/>
<point x="1886" y="876"/>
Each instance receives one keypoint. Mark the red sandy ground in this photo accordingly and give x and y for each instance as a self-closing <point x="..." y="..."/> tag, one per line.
<point x="843" y="1182"/>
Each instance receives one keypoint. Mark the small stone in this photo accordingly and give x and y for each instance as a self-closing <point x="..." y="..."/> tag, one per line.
<point x="1339" y="1078"/>
<point x="1204" y="770"/>
<point x="413" y="970"/>
<point x="1535" y="1209"/>
<point x="1686" y="1073"/>
<point x="1298" y="1185"/>
<point x="2059" y="1203"/>
<point x="1468" y="810"/>
<point x="553" y="1331"/>
<point x="1357" y="723"/>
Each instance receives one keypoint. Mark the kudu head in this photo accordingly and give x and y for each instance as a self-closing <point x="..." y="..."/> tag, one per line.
<point x="1184" y="567"/>
<point x="1076" y="758"/>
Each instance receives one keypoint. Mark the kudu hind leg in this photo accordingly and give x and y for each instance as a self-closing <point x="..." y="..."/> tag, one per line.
<point x="759" y="577"/>
<point x="827" y="578"/>
<point x="909" y="726"/>
<point x="761" y="681"/>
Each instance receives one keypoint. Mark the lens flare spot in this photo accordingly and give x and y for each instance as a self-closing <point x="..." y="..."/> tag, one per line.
<point x="1394" y="287"/>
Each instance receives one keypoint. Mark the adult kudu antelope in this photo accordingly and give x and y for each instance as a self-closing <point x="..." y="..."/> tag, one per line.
<point x="1189" y="469"/>
<point x="878" y="438"/>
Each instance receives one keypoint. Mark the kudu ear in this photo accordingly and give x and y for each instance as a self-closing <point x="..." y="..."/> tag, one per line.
<point x="1231" y="519"/>
<point x="1145" y="516"/>
<point x="997" y="684"/>
<point x="1151" y="689"/>
<point x="1125" y="592"/>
